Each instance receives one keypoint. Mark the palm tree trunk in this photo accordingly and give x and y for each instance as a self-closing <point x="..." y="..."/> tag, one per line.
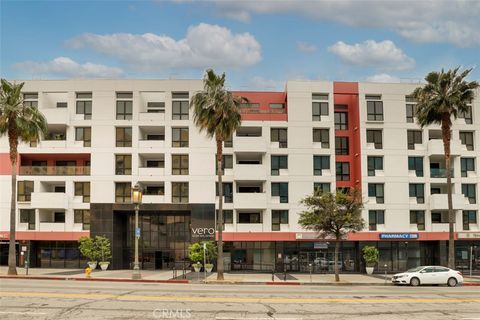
<point x="447" y="134"/>
<point x="335" y="260"/>
<point x="12" y="255"/>
<point x="220" y="211"/>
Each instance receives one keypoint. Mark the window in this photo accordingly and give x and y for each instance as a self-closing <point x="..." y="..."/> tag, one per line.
<point x="28" y="97"/>
<point x="59" y="217"/>
<point x="280" y="189"/>
<point x="179" y="192"/>
<point x="413" y="137"/>
<point x="84" y="134"/>
<point x="376" y="190"/>
<point x="250" y="105"/>
<point x="25" y="189"/>
<point x="123" y="164"/>
<point x="180" y="105"/>
<point x="466" y="137"/>
<point x="322" y="136"/>
<point x="467" y="115"/>
<point x="277" y="106"/>
<point x="374" y="108"/>
<point x="341" y="121"/>
<point x="124" y="110"/>
<point x="319" y="106"/>
<point x="227" y="191"/>
<point x="123" y="137"/>
<point x="375" y="217"/>
<point x="440" y="217"/>
<point x="155" y="163"/>
<point x="417" y="190"/>
<point x="82" y="189"/>
<point x="374" y="163"/>
<point x="179" y="164"/>
<point x="155" y="190"/>
<point x="123" y="192"/>
<point x="469" y="217"/>
<point x="341" y="145"/>
<point x="228" y="143"/>
<point x="468" y="190"/>
<point x="84" y="95"/>
<point x="227" y="217"/>
<point x="375" y="137"/>
<point x="155" y="107"/>
<point x="279" y="217"/>
<point x="418" y="217"/>
<point x="321" y="187"/>
<point x="249" y="217"/>
<point x="416" y="164"/>
<point x="62" y="105"/>
<point x="342" y="170"/>
<point x="227" y="162"/>
<point x="83" y="217"/>
<point x="180" y="95"/>
<point x="411" y="108"/>
<point x="84" y="106"/>
<point x="277" y="163"/>
<point x="467" y="164"/>
<point x="28" y="216"/>
<point x="320" y="163"/>
<point x="179" y="137"/>
<point x="279" y="135"/>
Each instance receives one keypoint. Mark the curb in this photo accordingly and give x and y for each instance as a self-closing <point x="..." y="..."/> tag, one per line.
<point x="96" y="279"/>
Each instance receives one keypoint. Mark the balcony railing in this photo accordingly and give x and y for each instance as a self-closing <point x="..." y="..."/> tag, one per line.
<point x="439" y="173"/>
<point x="55" y="170"/>
<point x="263" y="111"/>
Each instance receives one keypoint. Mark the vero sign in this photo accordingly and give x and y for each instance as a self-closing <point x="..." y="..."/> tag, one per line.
<point x="203" y="233"/>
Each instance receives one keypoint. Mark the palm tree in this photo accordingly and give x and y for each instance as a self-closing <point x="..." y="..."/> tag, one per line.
<point x="445" y="95"/>
<point x="217" y="112"/>
<point x="21" y="123"/>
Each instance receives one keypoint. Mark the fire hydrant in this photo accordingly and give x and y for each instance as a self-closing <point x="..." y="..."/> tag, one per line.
<point x="88" y="271"/>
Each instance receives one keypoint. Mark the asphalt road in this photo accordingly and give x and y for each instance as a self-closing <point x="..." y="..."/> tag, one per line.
<point x="55" y="299"/>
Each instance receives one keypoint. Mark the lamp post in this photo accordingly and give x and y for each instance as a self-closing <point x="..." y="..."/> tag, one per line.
<point x="137" y="200"/>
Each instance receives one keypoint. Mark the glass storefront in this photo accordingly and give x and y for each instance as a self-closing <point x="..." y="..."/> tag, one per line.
<point x="56" y="254"/>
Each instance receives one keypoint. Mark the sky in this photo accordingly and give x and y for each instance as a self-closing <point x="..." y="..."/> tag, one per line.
<point x="258" y="44"/>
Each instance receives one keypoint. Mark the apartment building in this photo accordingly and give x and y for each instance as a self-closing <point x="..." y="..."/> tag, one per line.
<point x="105" y="136"/>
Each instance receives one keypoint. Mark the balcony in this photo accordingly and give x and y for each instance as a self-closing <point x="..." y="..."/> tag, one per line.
<point x="440" y="173"/>
<point x="151" y="171"/>
<point x="153" y="199"/>
<point x="52" y="226"/>
<point x="435" y="147"/>
<point x="49" y="200"/>
<point x="56" y="115"/>
<point x="440" y="201"/>
<point x="151" y="116"/>
<point x="54" y="170"/>
<point x="249" y="227"/>
<point x="250" y="200"/>
<point x="249" y="144"/>
<point x="151" y="144"/>
<point x="250" y="172"/>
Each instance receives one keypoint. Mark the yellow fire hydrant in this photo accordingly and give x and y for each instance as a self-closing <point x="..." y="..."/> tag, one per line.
<point x="88" y="271"/>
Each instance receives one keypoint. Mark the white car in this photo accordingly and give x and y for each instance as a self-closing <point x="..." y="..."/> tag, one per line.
<point x="428" y="275"/>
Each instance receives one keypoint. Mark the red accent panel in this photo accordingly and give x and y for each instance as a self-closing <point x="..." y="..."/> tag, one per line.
<point x="45" y="235"/>
<point x="27" y="158"/>
<point x="5" y="164"/>
<point x="264" y="99"/>
<point x="346" y="93"/>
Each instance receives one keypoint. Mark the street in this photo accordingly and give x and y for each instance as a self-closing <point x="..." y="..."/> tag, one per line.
<point x="60" y="299"/>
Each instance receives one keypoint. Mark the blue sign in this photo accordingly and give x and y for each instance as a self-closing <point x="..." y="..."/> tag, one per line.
<point x="137" y="232"/>
<point x="399" y="236"/>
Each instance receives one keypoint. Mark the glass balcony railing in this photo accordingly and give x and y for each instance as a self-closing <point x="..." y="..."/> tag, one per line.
<point x="439" y="173"/>
<point x="55" y="170"/>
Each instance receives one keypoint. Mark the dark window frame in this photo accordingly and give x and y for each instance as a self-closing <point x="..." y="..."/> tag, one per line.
<point x="82" y="216"/>
<point x="183" y="192"/>
<point x="342" y="171"/>
<point x="322" y="135"/>
<point x="180" y="132"/>
<point x="466" y="165"/>
<point x="279" y="217"/>
<point x="278" y="162"/>
<point x="180" y="170"/>
<point x="467" y="139"/>
<point x="374" y="110"/>
<point x="180" y="110"/>
<point x="320" y="163"/>
<point x="28" y="216"/>
<point x="414" y="137"/>
<point x="418" y="217"/>
<point x="413" y="164"/>
<point x="279" y="135"/>
<point x="280" y="189"/>
<point x="375" y="136"/>
<point x="469" y="191"/>
<point x="121" y="164"/>
<point x="374" y="163"/>
<point x="124" y="110"/>
<point x="341" y="120"/>
<point x="125" y="143"/>
<point x="375" y="217"/>
<point x="417" y="190"/>
<point x="27" y="187"/>
<point x="342" y="146"/>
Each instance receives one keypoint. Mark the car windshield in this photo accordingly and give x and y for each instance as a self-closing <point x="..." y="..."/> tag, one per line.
<point x="415" y="269"/>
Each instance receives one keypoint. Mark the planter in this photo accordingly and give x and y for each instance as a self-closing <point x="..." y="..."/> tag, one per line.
<point x="197" y="267"/>
<point x="369" y="270"/>
<point x="92" y="264"/>
<point x="104" y="265"/>
<point x="208" y="267"/>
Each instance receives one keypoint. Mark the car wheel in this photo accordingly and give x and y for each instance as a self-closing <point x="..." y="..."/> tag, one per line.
<point x="414" y="282"/>
<point x="452" y="282"/>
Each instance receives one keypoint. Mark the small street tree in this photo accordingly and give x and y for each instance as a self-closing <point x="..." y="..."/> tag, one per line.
<point x="333" y="216"/>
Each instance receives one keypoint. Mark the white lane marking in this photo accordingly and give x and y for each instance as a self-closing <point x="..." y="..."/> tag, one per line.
<point x="26" y="313"/>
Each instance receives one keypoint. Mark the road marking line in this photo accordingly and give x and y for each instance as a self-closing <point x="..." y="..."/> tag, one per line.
<point x="19" y="312"/>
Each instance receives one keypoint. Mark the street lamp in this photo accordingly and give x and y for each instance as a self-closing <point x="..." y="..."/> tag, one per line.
<point x="137" y="200"/>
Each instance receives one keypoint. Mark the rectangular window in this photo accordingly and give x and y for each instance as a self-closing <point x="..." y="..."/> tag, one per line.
<point x="279" y="135"/>
<point x="342" y="171"/>
<point x="155" y="107"/>
<point x="469" y="217"/>
<point x="418" y="217"/>
<point x="228" y="143"/>
<point x="375" y="137"/>
<point x="227" y="191"/>
<point x="123" y="137"/>
<point x="123" y="164"/>
<point x="467" y="164"/>
<point x="227" y="217"/>
<point x="179" y="137"/>
<point x="227" y="162"/>
<point x="374" y="108"/>
<point x="30" y="96"/>
<point x="59" y="217"/>
<point x="376" y="190"/>
<point x="180" y="110"/>
<point x="413" y="137"/>
<point x="341" y="145"/>
<point x="277" y="163"/>
<point x="84" y="107"/>
<point x="341" y="120"/>
<point x="155" y="163"/>
<point x="320" y="163"/>
<point x="83" y="95"/>
<point x="279" y="217"/>
<point x="82" y="189"/>
<point x="280" y="189"/>
<point x="28" y="216"/>
<point x="155" y="190"/>
<point x="62" y="105"/>
<point x="124" y="109"/>
<point x="183" y="95"/>
<point x="466" y="115"/>
<point x="375" y="217"/>
<point x="24" y="190"/>
<point x="374" y="163"/>
<point x="84" y="134"/>
<point x="440" y="217"/>
<point x="321" y="187"/>
<point x="276" y="106"/>
<point x="322" y="136"/>
<point x="468" y="190"/>
<point x="416" y="164"/>
<point x="466" y="137"/>
<point x="179" y="164"/>
<point x="249" y="217"/>
<point x="319" y="109"/>
<point x="83" y="217"/>
<point x="179" y="192"/>
<point x="411" y="106"/>
<point x="123" y="192"/>
<point x="417" y="190"/>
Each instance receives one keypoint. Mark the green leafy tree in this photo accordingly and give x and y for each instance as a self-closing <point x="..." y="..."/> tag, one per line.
<point x="370" y="255"/>
<point x="87" y="248"/>
<point x="443" y="97"/>
<point x="333" y="216"/>
<point x="216" y="111"/>
<point x="103" y="248"/>
<point x="195" y="252"/>
<point x="21" y="123"/>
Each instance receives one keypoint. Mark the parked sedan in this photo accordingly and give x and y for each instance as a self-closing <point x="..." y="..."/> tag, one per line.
<point x="428" y="275"/>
